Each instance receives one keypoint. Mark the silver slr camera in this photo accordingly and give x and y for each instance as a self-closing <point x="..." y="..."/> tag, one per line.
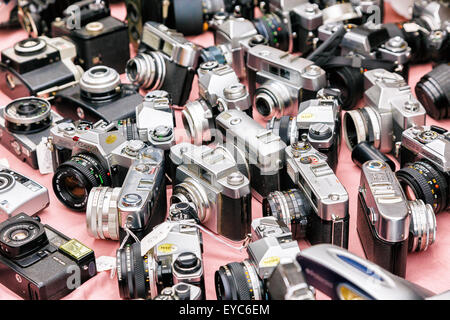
<point x="155" y="120"/>
<point x="87" y="155"/>
<point x="279" y="82"/>
<point x="19" y="194"/>
<point x="164" y="54"/>
<point x="175" y="260"/>
<point x="219" y="90"/>
<point x="320" y="119"/>
<point x="138" y="206"/>
<point x="391" y="109"/>
<point x="388" y="224"/>
<point x="425" y="162"/>
<point x="209" y="178"/>
<point x="258" y="151"/>
<point x="247" y="280"/>
<point x="318" y="209"/>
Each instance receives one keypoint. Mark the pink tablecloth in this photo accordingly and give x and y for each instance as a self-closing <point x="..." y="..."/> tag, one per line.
<point x="428" y="269"/>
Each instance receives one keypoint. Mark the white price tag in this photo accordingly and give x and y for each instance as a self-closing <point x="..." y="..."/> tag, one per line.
<point x="44" y="157"/>
<point x="4" y="163"/>
<point x="156" y="236"/>
<point x="105" y="263"/>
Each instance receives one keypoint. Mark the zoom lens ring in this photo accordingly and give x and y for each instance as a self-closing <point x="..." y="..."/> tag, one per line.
<point x="423" y="226"/>
<point x="427" y="184"/>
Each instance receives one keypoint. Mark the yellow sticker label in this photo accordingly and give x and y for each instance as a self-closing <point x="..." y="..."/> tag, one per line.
<point x="270" y="261"/>
<point x="75" y="249"/>
<point x="167" y="248"/>
<point x="305" y="116"/>
<point x="111" y="139"/>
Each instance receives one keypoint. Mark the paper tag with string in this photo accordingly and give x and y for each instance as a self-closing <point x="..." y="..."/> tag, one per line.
<point x="106" y="263"/>
<point x="157" y="235"/>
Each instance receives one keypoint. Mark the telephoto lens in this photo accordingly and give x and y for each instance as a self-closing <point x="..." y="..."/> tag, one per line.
<point x="433" y="91"/>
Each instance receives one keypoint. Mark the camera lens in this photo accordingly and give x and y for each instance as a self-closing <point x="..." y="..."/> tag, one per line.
<point x="132" y="272"/>
<point x="362" y="125"/>
<point x="291" y="207"/>
<point x="285" y="127"/>
<point x="147" y="71"/>
<point x="191" y="191"/>
<point x="196" y="123"/>
<point x="274" y="30"/>
<point x="102" y="217"/>
<point x="238" y="281"/>
<point x="271" y="99"/>
<point x="422" y="230"/>
<point x="74" y="179"/>
<point x="433" y="91"/>
<point x="100" y="83"/>
<point x="21" y="237"/>
<point x="350" y="82"/>
<point x="6" y="181"/>
<point x="190" y="17"/>
<point x="27" y="115"/>
<point x="421" y="180"/>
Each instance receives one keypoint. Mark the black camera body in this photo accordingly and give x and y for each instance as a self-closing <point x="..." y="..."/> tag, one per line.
<point x="38" y="262"/>
<point x="38" y="67"/>
<point x="103" y="41"/>
<point x="22" y="137"/>
<point x="100" y="95"/>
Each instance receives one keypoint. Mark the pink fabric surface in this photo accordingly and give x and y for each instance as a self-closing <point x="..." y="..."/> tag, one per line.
<point x="428" y="269"/>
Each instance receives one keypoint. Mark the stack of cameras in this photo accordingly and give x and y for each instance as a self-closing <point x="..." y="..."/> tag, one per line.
<point x="277" y="94"/>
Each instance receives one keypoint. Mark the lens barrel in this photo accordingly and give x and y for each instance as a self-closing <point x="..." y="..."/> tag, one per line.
<point x="422" y="230"/>
<point x="433" y="91"/>
<point x="102" y="217"/>
<point x="147" y="71"/>
<point x="27" y="115"/>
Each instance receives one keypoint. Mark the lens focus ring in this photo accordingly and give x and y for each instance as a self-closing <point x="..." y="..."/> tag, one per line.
<point x="423" y="226"/>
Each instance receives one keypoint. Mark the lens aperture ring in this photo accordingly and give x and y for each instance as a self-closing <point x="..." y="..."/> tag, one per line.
<point x="422" y="227"/>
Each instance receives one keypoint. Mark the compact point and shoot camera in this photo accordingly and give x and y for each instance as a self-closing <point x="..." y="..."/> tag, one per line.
<point x="279" y="82"/>
<point x="40" y="263"/>
<point x="163" y="56"/>
<point x="38" y="67"/>
<point x="19" y="194"/>
<point x="209" y="178"/>
<point x="100" y="95"/>
<point x="388" y="224"/>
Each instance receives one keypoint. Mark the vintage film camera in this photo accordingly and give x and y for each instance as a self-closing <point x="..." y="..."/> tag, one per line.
<point x="388" y="224"/>
<point x="318" y="209"/>
<point x="38" y="67"/>
<point x="320" y="119"/>
<point x="247" y="280"/>
<point x="433" y="92"/>
<point x="100" y="95"/>
<point x="19" y="194"/>
<point x="177" y="259"/>
<point x="219" y="90"/>
<point x="425" y="163"/>
<point x="138" y="206"/>
<point x="40" y="263"/>
<point x="100" y="39"/>
<point x="190" y="17"/>
<point x="391" y="108"/>
<point x="258" y="151"/>
<point x="427" y="33"/>
<point x="209" y="178"/>
<point x="24" y="123"/>
<point x="164" y="55"/>
<point x="342" y="275"/>
<point x="87" y="155"/>
<point x="279" y="82"/>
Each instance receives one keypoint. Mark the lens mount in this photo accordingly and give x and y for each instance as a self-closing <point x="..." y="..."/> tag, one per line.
<point x="74" y="179"/>
<point x="28" y="115"/>
<point x="422" y="228"/>
<point x="147" y="70"/>
<point x="102" y="217"/>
